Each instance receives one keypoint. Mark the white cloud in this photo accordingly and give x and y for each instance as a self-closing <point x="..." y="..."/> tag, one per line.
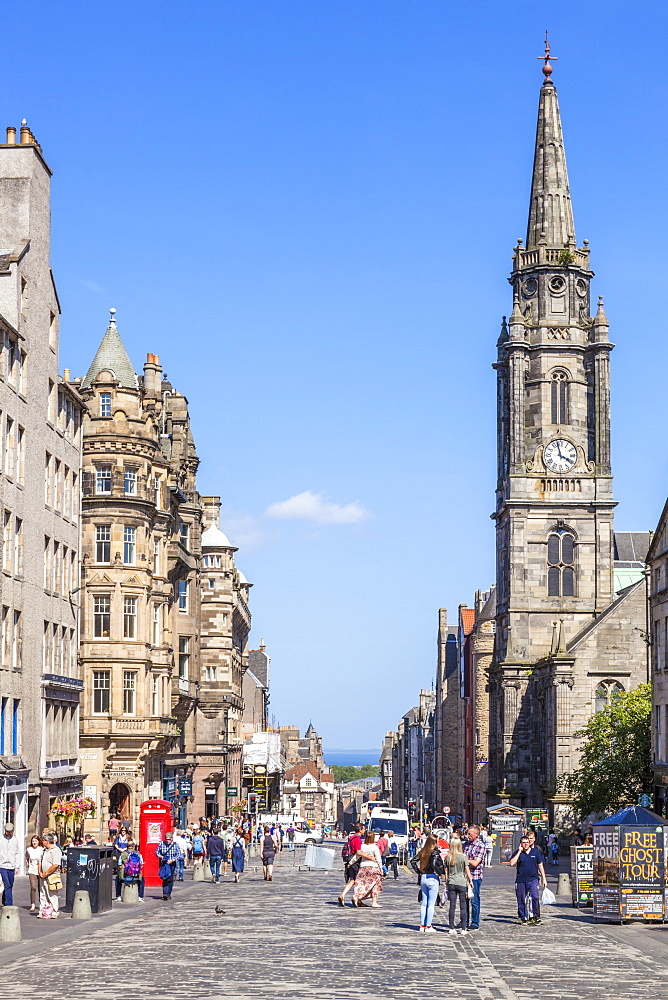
<point x="242" y="530"/>
<point x="309" y="506"/>
<point x="91" y="286"/>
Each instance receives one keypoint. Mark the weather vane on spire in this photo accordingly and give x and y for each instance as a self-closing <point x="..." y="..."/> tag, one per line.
<point x="547" y="66"/>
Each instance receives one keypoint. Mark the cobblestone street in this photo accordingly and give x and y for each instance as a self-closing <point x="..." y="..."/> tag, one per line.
<point x="289" y="938"/>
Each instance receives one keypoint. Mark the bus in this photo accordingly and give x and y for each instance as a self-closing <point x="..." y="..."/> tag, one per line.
<point x="368" y="807"/>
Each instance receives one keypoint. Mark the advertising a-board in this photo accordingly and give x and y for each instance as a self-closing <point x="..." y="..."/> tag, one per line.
<point x="539" y="819"/>
<point x="641" y="872"/>
<point x="606" y="872"/>
<point x="582" y="875"/>
<point x="630" y="865"/>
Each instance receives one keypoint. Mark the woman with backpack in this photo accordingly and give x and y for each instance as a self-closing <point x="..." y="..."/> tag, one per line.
<point x="458" y="880"/>
<point x="198" y="846"/>
<point x="391" y="854"/>
<point x="429" y="866"/>
<point x="238" y="853"/>
<point x="351" y="863"/>
<point x="131" y="864"/>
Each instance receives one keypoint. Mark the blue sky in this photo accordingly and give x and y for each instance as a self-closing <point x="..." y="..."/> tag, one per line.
<point x="308" y="210"/>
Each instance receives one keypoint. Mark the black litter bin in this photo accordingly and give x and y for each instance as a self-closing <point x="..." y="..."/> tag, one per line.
<point x="90" y="868"/>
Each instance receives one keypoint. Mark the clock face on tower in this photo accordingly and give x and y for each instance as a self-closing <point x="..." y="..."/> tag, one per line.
<point x="560" y="455"/>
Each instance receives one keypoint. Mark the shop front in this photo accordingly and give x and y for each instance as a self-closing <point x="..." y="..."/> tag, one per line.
<point x="14" y="802"/>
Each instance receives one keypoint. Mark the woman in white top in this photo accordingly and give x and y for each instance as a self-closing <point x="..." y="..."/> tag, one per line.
<point x="33" y="855"/>
<point x="369" y="881"/>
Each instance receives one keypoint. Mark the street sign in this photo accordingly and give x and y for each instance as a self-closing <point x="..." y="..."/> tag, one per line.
<point x="171" y="786"/>
<point x="231" y="792"/>
<point x="185" y="786"/>
<point x="446" y="809"/>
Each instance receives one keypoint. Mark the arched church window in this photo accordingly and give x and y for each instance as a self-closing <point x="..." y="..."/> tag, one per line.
<point x="559" y="389"/>
<point x="560" y="564"/>
<point x="605" y="692"/>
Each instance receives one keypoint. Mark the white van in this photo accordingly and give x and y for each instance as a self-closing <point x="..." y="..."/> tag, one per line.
<point x="304" y="832"/>
<point x="386" y="818"/>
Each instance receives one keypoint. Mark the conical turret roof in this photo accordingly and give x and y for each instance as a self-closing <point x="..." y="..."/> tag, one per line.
<point x="112" y="356"/>
<point x="550" y="212"/>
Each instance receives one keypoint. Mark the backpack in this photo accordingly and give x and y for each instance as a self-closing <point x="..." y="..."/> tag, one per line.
<point x="198" y="845"/>
<point x="393" y="848"/>
<point x="132" y="866"/>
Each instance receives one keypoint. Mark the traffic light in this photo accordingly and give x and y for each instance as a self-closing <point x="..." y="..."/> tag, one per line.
<point x="253" y="800"/>
<point x="411" y="807"/>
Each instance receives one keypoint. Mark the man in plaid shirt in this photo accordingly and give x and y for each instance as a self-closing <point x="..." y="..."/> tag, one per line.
<point x="168" y="854"/>
<point x="475" y="851"/>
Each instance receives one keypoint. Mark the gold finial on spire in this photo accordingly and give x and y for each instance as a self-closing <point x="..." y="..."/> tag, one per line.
<point x="547" y="67"/>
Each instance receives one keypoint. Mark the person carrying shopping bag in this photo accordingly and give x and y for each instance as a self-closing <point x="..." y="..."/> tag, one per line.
<point x="50" y="882"/>
<point x="428" y="865"/>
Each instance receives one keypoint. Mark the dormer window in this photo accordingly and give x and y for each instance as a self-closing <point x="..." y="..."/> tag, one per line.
<point x="105" y="404"/>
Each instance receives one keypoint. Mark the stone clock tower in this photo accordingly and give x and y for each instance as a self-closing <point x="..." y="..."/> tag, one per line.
<point x="554" y="503"/>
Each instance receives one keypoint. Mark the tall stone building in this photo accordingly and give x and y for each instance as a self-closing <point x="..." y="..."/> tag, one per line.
<point x="562" y="629"/>
<point x="447" y="720"/>
<point x="140" y="621"/>
<point x="225" y="623"/>
<point x="255" y="691"/>
<point x="40" y="425"/>
<point x="482" y="653"/>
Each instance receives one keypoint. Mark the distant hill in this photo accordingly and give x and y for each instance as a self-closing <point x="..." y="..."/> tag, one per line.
<point x="348" y="772"/>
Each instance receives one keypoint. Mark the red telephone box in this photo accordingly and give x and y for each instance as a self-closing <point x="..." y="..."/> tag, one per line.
<point x="155" y="820"/>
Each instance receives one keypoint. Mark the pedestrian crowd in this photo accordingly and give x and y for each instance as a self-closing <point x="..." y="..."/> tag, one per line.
<point x="450" y="863"/>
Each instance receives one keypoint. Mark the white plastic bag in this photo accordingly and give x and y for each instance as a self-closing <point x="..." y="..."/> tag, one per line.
<point x="548" y="897"/>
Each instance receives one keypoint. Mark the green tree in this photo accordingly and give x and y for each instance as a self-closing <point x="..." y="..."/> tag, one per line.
<point x="349" y="772"/>
<point x="615" y="762"/>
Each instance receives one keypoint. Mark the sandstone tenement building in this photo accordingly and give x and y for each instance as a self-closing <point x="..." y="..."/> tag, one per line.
<point x="40" y="441"/>
<point x="162" y="647"/>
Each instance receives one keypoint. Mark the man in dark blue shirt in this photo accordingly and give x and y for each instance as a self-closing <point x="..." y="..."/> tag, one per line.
<point x="529" y="862"/>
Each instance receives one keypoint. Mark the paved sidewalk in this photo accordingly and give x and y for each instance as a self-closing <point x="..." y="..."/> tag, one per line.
<point x="289" y="938"/>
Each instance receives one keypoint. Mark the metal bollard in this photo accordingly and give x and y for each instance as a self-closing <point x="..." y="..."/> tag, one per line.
<point x="198" y="872"/>
<point x="10" y="925"/>
<point x="130" y="892"/>
<point x="207" y="871"/>
<point x="81" y="906"/>
<point x="564" y="885"/>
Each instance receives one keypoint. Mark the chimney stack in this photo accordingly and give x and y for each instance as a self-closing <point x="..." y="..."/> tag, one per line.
<point x="26" y="137"/>
<point x="11" y="135"/>
<point x="152" y="373"/>
<point x="211" y="511"/>
<point x="66" y="375"/>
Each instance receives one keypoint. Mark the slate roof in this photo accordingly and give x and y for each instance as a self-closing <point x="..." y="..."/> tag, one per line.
<point x="631" y="546"/>
<point x="112" y="356"/>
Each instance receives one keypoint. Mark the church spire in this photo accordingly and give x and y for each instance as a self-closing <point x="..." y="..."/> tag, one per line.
<point x="550" y="212"/>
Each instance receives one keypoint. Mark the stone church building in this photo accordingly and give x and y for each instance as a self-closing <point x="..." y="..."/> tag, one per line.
<point x="570" y="592"/>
